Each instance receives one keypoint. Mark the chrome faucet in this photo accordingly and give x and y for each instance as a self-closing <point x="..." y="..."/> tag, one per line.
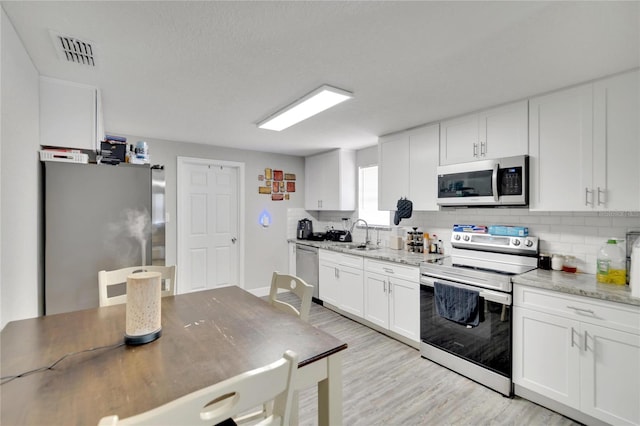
<point x="353" y="225"/>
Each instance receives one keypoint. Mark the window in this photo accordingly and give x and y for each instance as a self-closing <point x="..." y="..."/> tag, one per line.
<point x="368" y="198"/>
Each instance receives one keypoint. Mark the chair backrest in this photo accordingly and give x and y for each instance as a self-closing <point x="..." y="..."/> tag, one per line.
<point x="296" y="285"/>
<point x="107" y="279"/>
<point x="226" y="399"/>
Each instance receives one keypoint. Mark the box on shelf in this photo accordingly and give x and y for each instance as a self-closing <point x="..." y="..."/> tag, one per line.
<point x="477" y="229"/>
<point x="113" y="150"/>
<point x="509" y="231"/>
<point x="64" y="156"/>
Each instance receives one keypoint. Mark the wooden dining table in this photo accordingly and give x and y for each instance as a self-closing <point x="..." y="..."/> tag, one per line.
<point x="207" y="337"/>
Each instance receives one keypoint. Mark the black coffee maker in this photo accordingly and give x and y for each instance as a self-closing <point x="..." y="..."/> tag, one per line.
<point x="305" y="229"/>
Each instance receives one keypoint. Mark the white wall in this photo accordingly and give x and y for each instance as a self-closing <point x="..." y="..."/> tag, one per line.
<point x="265" y="248"/>
<point x="20" y="217"/>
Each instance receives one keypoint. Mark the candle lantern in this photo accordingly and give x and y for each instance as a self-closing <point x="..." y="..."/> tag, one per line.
<point x="143" y="308"/>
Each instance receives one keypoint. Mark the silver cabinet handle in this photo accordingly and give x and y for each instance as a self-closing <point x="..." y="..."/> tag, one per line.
<point x="586" y="196"/>
<point x="599" y="192"/>
<point x="588" y="311"/>
<point x="389" y="286"/>
<point x="572" y="332"/>
<point x="384" y="286"/>
<point x="475" y="149"/>
<point x="233" y="240"/>
<point x="586" y="335"/>
<point x="388" y="270"/>
<point x="483" y="150"/>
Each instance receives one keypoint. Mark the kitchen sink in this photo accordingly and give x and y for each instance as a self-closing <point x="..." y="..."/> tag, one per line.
<point x="360" y="247"/>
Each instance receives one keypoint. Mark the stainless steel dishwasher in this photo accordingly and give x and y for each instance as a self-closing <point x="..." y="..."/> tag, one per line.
<point x="307" y="267"/>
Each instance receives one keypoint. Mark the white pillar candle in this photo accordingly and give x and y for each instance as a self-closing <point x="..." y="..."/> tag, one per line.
<point x="143" y="308"/>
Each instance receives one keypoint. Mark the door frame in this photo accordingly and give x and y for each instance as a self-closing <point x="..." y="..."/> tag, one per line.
<point x="182" y="163"/>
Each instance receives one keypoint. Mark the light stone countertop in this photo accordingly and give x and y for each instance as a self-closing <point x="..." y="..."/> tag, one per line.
<point x="382" y="253"/>
<point x="578" y="284"/>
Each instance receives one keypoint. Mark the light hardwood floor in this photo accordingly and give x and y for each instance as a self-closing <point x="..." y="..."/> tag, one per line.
<point x="386" y="382"/>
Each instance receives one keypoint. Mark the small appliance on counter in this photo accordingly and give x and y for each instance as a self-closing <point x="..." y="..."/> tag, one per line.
<point x="339" y="235"/>
<point x="318" y="236"/>
<point x="305" y="229"/>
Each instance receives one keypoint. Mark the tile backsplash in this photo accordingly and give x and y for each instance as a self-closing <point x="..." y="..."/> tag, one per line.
<point x="579" y="234"/>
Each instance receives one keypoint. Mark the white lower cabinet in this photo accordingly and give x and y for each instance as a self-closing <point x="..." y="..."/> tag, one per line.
<point x="579" y="352"/>
<point x="391" y="297"/>
<point x="341" y="281"/>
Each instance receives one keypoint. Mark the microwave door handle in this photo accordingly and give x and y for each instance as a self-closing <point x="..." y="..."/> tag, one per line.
<point x="494" y="182"/>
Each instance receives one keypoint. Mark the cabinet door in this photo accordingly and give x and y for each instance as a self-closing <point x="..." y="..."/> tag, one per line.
<point x="350" y="286"/>
<point x="423" y="163"/>
<point x="616" y="143"/>
<point x="68" y="114"/>
<point x="459" y="140"/>
<point x="393" y="170"/>
<point x="330" y="180"/>
<point x="313" y="182"/>
<point x="504" y="131"/>
<point x="560" y="142"/>
<point x="328" y="283"/>
<point x="610" y="367"/>
<point x="546" y="355"/>
<point x="404" y="311"/>
<point x="376" y="305"/>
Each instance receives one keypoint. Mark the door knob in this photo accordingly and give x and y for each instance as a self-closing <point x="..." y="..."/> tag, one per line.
<point x="233" y="240"/>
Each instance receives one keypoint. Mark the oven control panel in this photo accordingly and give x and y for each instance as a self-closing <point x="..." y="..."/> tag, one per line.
<point x="498" y="243"/>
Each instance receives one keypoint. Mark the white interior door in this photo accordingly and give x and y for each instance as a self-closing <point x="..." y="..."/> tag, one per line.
<point x="209" y="227"/>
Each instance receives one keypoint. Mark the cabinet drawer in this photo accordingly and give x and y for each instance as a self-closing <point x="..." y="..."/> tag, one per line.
<point x="410" y="273"/>
<point x="600" y="312"/>
<point x="341" y="259"/>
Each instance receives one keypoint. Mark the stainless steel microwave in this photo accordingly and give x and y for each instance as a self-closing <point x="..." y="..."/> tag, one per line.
<point x="498" y="182"/>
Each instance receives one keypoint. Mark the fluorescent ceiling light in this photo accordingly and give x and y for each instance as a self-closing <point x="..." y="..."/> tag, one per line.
<point x="322" y="98"/>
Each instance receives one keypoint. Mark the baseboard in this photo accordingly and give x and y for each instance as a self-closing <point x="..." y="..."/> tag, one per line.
<point x="387" y="332"/>
<point x="556" y="406"/>
<point x="260" y="292"/>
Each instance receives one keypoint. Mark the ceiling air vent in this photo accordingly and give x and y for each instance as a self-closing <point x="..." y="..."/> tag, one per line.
<point x="73" y="49"/>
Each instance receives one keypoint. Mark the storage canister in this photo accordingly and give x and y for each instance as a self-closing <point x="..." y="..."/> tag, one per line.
<point x="611" y="264"/>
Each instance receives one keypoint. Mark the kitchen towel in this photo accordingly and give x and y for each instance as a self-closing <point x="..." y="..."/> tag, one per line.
<point x="457" y="304"/>
<point x="404" y="209"/>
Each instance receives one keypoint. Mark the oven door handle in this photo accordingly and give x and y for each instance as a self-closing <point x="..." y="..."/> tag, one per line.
<point x="491" y="296"/>
<point x="459" y="278"/>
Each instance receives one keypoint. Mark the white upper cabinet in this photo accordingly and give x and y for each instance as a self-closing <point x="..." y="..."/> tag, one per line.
<point x="560" y="148"/>
<point x="493" y="133"/>
<point x="393" y="170"/>
<point x="616" y="154"/>
<point x="70" y="115"/>
<point x="330" y="181"/>
<point x="407" y="164"/>
<point x="584" y="147"/>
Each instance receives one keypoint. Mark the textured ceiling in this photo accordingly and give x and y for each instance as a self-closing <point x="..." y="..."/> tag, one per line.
<point x="207" y="72"/>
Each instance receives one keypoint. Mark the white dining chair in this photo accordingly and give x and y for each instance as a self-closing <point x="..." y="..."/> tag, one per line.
<point x="295" y="285"/>
<point x="304" y="291"/>
<point x="220" y="402"/>
<point x="109" y="279"/>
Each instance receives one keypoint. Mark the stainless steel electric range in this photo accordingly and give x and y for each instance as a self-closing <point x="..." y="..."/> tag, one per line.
<point x="466" y="303"/>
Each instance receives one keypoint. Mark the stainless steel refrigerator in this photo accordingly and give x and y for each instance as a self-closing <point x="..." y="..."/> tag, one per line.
<point x="98" y="217"/>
